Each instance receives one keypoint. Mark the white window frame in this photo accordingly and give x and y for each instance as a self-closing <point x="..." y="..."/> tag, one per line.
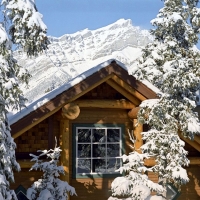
<point x="91" y="158"/>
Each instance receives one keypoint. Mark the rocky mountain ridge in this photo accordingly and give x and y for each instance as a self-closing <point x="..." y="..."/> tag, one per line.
<point x="72" y="54"/>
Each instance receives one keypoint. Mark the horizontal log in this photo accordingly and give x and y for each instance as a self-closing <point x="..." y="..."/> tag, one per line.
<point x="121" y="104"/>
<point x="134" y="113"/>
<point x="194" y="160"/>
<point x="25" y="163"/>
<point x="147" y="162"/>
<point x="197" y="139"/>
<point x="193" y="143"/>
<point x="151" y="161"/>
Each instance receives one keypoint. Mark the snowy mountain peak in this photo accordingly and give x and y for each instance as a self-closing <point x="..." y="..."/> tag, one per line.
<point x="71" y="54"/>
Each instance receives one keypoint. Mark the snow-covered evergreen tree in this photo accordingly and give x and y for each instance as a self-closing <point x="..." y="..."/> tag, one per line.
<point x="134" y="184"/>
<point x="25" y="26"/>
<point x="172" y="64"/>
<point x="49" y="186"/>
<point x="24" y="23"/>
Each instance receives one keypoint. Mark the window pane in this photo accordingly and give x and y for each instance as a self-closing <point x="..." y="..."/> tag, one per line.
<point x="84" y="150"/>
<point x="113" y="135"/>
<point x="113" y="164"/>
<point x="21" y="196"/>
<point x="84" y="135"/>
<point x="99" y="165"/>
<point x="99" y="150"/>
<point x="113" y="150"/>
<point x="99" y="135"/>
<point x="84" y="166"/>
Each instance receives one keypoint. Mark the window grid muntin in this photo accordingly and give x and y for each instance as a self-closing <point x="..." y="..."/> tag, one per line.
<point x="91" y="146"/>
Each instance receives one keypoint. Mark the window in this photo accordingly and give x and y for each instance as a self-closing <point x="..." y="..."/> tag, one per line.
<point x="21" y="193"/>
<point x="172" y="192"/>
<point x="97" y="149"/>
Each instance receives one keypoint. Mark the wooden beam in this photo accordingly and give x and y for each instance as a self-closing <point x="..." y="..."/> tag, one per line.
<point x="127" y="87"/>
<point x="96" y="103"/>
<point x="53" y="109"/>
<point x="190" y="142"/>
<point x="125" y="93"/>
<point x="94" y="85"/>
<point x="25" y="163"/>
<point x="35" y="122"/>
<point x="151" y="161"/>
<point x="133" y="113"/>
<point x="194" y="160"/>
<point x="197" y="138"/>
<point x="137" y="129"/>
<point x="64" y="144"/>
<point x="147" y="162"/>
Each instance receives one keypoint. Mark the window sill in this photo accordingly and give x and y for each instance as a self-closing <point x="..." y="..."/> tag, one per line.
<point x="113" y="175"/>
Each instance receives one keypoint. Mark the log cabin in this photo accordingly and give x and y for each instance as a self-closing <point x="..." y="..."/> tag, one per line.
<point x="90" y="116"/>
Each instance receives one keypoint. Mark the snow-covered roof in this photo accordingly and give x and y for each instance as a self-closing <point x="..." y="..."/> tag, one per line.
<point x="50" y="96"/>
<point x="13" y="117"/>
<point x="71" y="54"/>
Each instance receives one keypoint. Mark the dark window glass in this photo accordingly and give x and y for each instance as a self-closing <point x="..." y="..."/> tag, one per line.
<point x="113" y="164"/>
<point x="84" y="150"/>
<point x="21" y="196"/>
<point x="99" y="165"/>
<point x="99" y="135"/>
<point x="97" y="150"/>
<point x="113" y="135"/>
<point x="84" y="165"/>
<point x="113" y="150"/>
<point x="84" y="135"/>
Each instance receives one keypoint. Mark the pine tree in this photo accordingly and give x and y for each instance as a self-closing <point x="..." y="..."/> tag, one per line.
<point x="134" y="184"/>
<point x="49" y="186"/>
<point x="27" y="31"/>
<point x="26" y="28"/>
<point x="171" y="63"/>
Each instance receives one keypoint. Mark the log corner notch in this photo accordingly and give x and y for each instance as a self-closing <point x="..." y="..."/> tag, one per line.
<point x="133" y="113"/>
<point x="70" y="111"/>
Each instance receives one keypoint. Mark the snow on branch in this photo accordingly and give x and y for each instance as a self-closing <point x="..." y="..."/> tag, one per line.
<point x="27" y="29"/>
<point x="49" y="186"/>
<point x="134" y="183"/>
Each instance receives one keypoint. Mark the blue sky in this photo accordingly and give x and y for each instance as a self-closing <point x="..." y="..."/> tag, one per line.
<point x="69" y="16"/>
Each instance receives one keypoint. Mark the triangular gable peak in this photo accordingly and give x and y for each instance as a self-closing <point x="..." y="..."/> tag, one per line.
<point x="111" y="72"/>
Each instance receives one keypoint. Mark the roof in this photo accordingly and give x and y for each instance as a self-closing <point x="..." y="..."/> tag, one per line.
<point x="53" y="101"/>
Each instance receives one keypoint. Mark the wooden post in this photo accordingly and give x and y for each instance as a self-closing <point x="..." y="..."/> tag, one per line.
<point x="64" y="143"/>
<point x="137" y="129"/>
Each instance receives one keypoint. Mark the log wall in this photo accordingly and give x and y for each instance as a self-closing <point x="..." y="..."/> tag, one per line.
<point x="98" y="188"/>
<point x="190" y="191"/>
<point x="25" y="178"/>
